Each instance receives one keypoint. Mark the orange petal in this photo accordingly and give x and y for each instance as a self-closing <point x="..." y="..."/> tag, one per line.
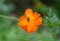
<point x="36" y="13"/>
<point x="23" y="21"/>
<point x="38" y="21"/>
<point x="35" y="16"/>
<point x="28" y="12"/>
<point x="31" y="27"/>
<point x="23" y="17"/>
<point x="24" y="28"/>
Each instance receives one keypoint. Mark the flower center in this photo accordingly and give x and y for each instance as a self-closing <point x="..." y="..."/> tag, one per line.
<point x="28" y="19"/>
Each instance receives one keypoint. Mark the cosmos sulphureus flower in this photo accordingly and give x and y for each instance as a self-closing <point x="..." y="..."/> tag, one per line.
<point x="30" y="20"/>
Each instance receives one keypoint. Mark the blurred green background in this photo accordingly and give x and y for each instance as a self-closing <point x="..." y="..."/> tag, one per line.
<point x="11" y="10"/>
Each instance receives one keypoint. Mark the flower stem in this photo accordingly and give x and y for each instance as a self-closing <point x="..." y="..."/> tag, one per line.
<point x="9" y="17"/>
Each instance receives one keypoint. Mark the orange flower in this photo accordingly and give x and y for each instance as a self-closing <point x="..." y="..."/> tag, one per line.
<point x="30" y="21"/>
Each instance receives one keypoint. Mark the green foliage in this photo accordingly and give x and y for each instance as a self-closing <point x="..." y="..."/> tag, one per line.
<point x="57" y="7"/>
<point x="48" y="31"/>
